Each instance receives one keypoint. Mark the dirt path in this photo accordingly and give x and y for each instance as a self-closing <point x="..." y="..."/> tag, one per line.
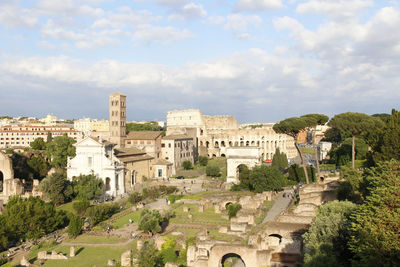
<point x="119" y="244"/>
<point x="280" y="204"/>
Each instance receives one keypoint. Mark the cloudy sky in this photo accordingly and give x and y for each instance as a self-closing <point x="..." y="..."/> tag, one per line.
<point x="259" y="60"/>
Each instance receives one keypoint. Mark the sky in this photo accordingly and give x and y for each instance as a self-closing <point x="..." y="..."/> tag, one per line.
<point x="258" y="60"/>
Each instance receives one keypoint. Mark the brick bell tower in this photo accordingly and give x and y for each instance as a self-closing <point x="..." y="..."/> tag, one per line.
<point x="117" y="108"/>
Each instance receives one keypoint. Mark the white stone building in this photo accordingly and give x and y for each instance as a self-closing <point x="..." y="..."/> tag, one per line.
<point x="176" y="149"/>
<point x="97" y="157"/>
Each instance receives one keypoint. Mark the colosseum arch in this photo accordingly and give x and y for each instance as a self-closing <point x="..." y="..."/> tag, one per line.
<point x="249" y="156"/>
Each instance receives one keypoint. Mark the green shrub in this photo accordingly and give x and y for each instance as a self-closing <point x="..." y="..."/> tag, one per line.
<point x="135" y="197"/>
<point x="187" y="165"/>
<point x="233" y="209"/>
<point x="75" y="226"/>
<point x="203" y="160"/>
<point x="100" y="213"/>
<point x="212" y="170"/>
<point x="81" y="206"/>
<point x="173" y="198"/>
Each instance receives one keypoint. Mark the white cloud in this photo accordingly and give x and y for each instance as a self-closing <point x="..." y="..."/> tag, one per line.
<point x="13" y="16"/>
<point x="66" y="8"/>
<point x="257" y="5"/>
<point x="338" y="9"/>
<point x="163" y="35"/>
<point x="189" y="11"/>
<point x="215" y="20"/>
<point x="240" y="22"/>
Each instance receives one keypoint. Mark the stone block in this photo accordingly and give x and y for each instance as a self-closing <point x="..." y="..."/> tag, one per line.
<point x="223" y="229"/>
<point x="111" y="263"/>
<point x="186" y="209"/>
<point x="72" y="251"/>
<point x="24" y="262"/>
<point x="139" y="244"/>
<point x="126" y="258"/>
<point x="42" y="255"/>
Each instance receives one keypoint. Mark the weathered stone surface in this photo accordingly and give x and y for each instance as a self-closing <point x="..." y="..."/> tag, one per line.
<point x="139" y="244"/>
<point x="24" y="262"/>
<point x="111" y="263"/>
<point x="126" y="258"/>
<point x="186" y="209"/>
<point x="72" y="251"/>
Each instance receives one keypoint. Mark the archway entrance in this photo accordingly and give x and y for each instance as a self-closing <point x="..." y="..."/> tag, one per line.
<point x="232" y="260"/>
<point x="108" y="182"/>
<point x="1" y="181"/>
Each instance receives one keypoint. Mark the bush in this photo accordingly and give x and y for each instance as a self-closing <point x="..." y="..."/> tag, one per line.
<point x="57" y="188"/>
<point x="86" y="187"/>
<point x="155" y="192"/>
<point x="81" y="206"/>
<point x="212" y="170"/>
<point x="152" y="221"/>
<point x="135" y="197"/>
<point x="173" y="198"/>
<point x="100" y="213"/>
<point x="296" y="173"/>
<point x="75" y="226"/>
<point x="187" y="165"/>
<point x="233" y="209"/>
<point x="203" y="160"/>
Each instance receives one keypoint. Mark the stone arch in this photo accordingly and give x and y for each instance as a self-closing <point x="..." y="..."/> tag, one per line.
<point x="207" y="144"/>
<point x="247" y="143"/>
<point x="216" y="145"/>
<point x="222" y="143"/>
<point x="253" y="143"/>
<point x="223" y="155"/>
<point x="201" y="143"/>
<point x="249" y="156"/>
<point x="108" y="184"/>
<point x="241" y="143"/>
<point x="218" y="254"/>
<point x="230" y="143"/>
<point x="214" y="156"/>
<point x="230" y="256"/>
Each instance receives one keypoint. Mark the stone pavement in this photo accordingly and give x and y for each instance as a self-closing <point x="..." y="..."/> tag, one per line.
<point x="280" y="204"/>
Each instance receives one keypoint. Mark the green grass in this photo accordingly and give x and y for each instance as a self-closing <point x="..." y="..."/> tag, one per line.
<point x="206" y="217"/>
<point x="120" y="222"/>
<point x="68" y="207"/>
<point x="223" y="237"/>
<point x="86" y="256"/>
<point x="92" y="239"/>
<point x="307" y="150"/>
<point x="220" y="162"/>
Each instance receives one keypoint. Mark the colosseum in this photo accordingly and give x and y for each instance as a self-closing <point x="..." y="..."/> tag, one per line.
<point x="214" y="134"/>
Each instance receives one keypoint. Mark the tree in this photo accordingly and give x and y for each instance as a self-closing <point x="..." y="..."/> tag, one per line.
<point x="57" y="188"/>
<point x="135" y="197"/>
<point x="168" y="250"/>
<point x="203" y="160"/>
<point x="32" y="218"/>
<point x="39" y="166"/>
<point x="212" y="170"/>
<point x="375" y="239"/>
<point x="349" y="185"/>
<point x="150" y="221"/>
<point x="38" y="144"/>
<point x="326" y="239"/>
<point x="59" y="149"/>
<point x="75" y="226"/>
<point x="81" y="206"/>
<point x="233" y="209"/>
<point x="355" y="124"/>
<point x="388" y="147"/>
<point x="86" y="187"/>
<point x="149" y="256"/>
<point x="279" y="160"/>
<point x="293" y="126"/>
<point x="49" y="137"/>
<point x="99" y="213"/>
<point x="312" y="121"/>
<point x="297" y="174"/>
<point x="187" y="165"/>
<point x="265" y="178"/>
<point x="3" y="234"/>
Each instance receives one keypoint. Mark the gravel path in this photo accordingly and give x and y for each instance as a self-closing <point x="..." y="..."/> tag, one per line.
<point x="280" y="204"/>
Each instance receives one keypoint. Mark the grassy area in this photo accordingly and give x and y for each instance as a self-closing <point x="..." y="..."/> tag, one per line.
<point x="223" y="237"/>
<point x="220" y="162"/>
<point x="85" y="256"/>
<point x="68" y="207"/>
<point x="120" y="222"/>
<point x="207" y="217"/>
<point x="189" y="174"/>
<point x="92" y="239"/>
<point x="307" y="150"/>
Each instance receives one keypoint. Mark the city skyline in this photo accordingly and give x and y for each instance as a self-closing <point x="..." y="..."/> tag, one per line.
<point x="258" y="60"/>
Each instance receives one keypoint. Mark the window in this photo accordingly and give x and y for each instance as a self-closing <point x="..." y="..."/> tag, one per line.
<point x="162" y="145"/>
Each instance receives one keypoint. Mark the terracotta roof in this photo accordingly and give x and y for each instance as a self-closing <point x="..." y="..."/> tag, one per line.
<point x="121" y="152"/>
<point x="143" y="135"/>
<point x="176" y="136"/>
<point x="162" y="162"/>
<point x="135" y="158"/>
